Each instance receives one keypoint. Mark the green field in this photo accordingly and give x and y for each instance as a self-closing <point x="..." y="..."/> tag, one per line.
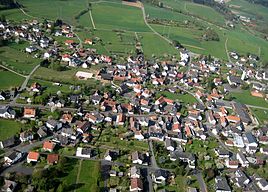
<point x="261" y="115"/>
<point x="118" y="16"/>
<point x="10" y="80"/>
<point x="15" y="58"/>
<point x="89" y="176"/>
<point x="246" y="98"/>
<point x="155" y="45"/>
<point x="8" y="128"/>
<point x="186" y="98"/>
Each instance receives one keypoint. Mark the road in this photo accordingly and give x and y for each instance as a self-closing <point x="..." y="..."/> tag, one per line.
<point x="153" y="161"/>
<point x="201" y="182"/>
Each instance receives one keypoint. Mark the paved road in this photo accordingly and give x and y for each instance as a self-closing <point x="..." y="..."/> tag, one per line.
<point x="153" y="161"/>
<point x="201" y="182"/>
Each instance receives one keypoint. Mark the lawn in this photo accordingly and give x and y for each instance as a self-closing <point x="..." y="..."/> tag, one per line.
<point x="70" y="178"/>
<point x="155" y="45"/>
<point x="15" y="58"/>
<point x="106" y="16"/>
<point x="9" y="80"/>
<point x="186" y="98"/>
<point x="246" y="98"/>
<point x="261" y="115"/>
<point x="8" y="128"/>
<point x="89" y="176"/>
<point x="67" y="76"/>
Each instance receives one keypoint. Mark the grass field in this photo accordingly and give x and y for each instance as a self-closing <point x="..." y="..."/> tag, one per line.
<point x="261" y="115"/>
<point x="155" y="45"/>
<point x="70" y="178"/>
<point x="106" y="16"/>
<point x="246" y="98"/>
<point x="89" y="176"/>
<point x="9" y="80"/>
<point x="186" y="98"/>
<point x="16" y="59"/>
<point x="8" y="128"/>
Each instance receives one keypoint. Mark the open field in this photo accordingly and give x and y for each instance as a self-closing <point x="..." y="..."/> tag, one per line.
<point x="246" y="98"/>
<point x="261" y="115"/>
<point x="8" y="128"/>
<point x="106" y="16"/>
<point x="154" y="45"/>
<point x="186" y="98"/>
<point x="89" y="176"/>
<point x="9" y="80"/>
<point x="15" y="58"/>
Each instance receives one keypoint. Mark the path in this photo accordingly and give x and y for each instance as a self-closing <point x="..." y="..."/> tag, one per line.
<point x="153" y="161"/>
<point x="78" y="173"/>
<point x="80" y="41"/>
<point x="201" y="182"/>
<point x="92" y="21"/>
<point x="226" y="50"/>
<point x="4" y="67"/>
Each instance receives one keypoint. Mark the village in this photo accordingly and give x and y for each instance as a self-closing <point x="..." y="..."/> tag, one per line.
<point x="151" y="122"/>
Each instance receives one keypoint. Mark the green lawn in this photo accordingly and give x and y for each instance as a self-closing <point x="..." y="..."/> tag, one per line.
<point x="118" y="16"/>
<point x="246" y="98"/>
<point x="70" y="178"/>
<point x="9" y="80"/>
<point x="15" y="58"/>
<point x="89" y="176"/>
<point x="8" y="128"/>
<point x="261" y="115"/>
<point x="186" y="98"/>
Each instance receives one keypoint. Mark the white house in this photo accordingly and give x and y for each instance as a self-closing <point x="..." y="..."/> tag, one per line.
<point x="83" y="152"/>
<point x="12" y="158"/>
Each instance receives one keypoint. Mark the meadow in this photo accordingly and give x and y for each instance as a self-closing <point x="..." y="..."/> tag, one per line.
<point x="14" y="57"/>
<point x="89" y="176"/>
<point x="9" y="80"/>
<point x="8" y="128"/>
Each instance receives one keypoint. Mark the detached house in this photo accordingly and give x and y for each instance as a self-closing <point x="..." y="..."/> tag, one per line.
<point x="7" y="112"/>
<point x="53" y="125"/>
<point x="32" y="157"/>
<point x="136" y="185"/>
<point x="48" y="146"/>
<point x="26" y="136"/>
<point x="221" y="184"/>
<point x="12" y="158"/>
<point x="140" y="158"/>
<point x="29" y="112"/>
<point x="160" y="176"/>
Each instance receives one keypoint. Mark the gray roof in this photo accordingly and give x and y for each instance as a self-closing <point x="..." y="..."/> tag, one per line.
<point x="222" y="184"/>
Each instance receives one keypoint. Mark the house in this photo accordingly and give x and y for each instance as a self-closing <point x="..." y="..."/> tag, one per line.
<point x="32" y="156"/>
<point x="30" y="49"/>
<point x="136" y="184"/>
<point x="263" y="184"/>
<point x="9" y="186"/>
<point x="66" y="118"/>
<point x="242" y="112"/>
<point x="120" y="119"/>
<point x="7" y="112"/>
<point x="82" y="127"/>
<point x="232" y="164"/>
<point x="110" y="155"/>
<point x="53" y="124"/>
<point x="221" y="184"/>
<point x="170" y="144"/>
<point x="83" y="152"/>
<point x="7" y="143"/>
<point x="242" y="159"/>
<point x="139" y="158"/>
<point x="234" y="80"/>
<point x="48" y="146"/>
<point x="26" y="136"/>
<point x="222" y="153"/>
<point x="35" y="87"/>
<point x="52" y="158"/>
<point x="42" y="132"/>
<point x="134" y="172"/>
<point x="241" y="178"/>
<point x="29" y="112"/>
<point x="160" y="176"/>
<point x="2" y="96"/>
<point x="12" y="158"/>
<point x="183" y="156"/>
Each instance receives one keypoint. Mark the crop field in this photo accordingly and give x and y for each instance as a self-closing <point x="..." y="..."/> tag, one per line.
<point x="106" y="16"/>
<point x="8" y="128"/>
<point x="16" y="59"/>
<point x="9" y="80"/>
